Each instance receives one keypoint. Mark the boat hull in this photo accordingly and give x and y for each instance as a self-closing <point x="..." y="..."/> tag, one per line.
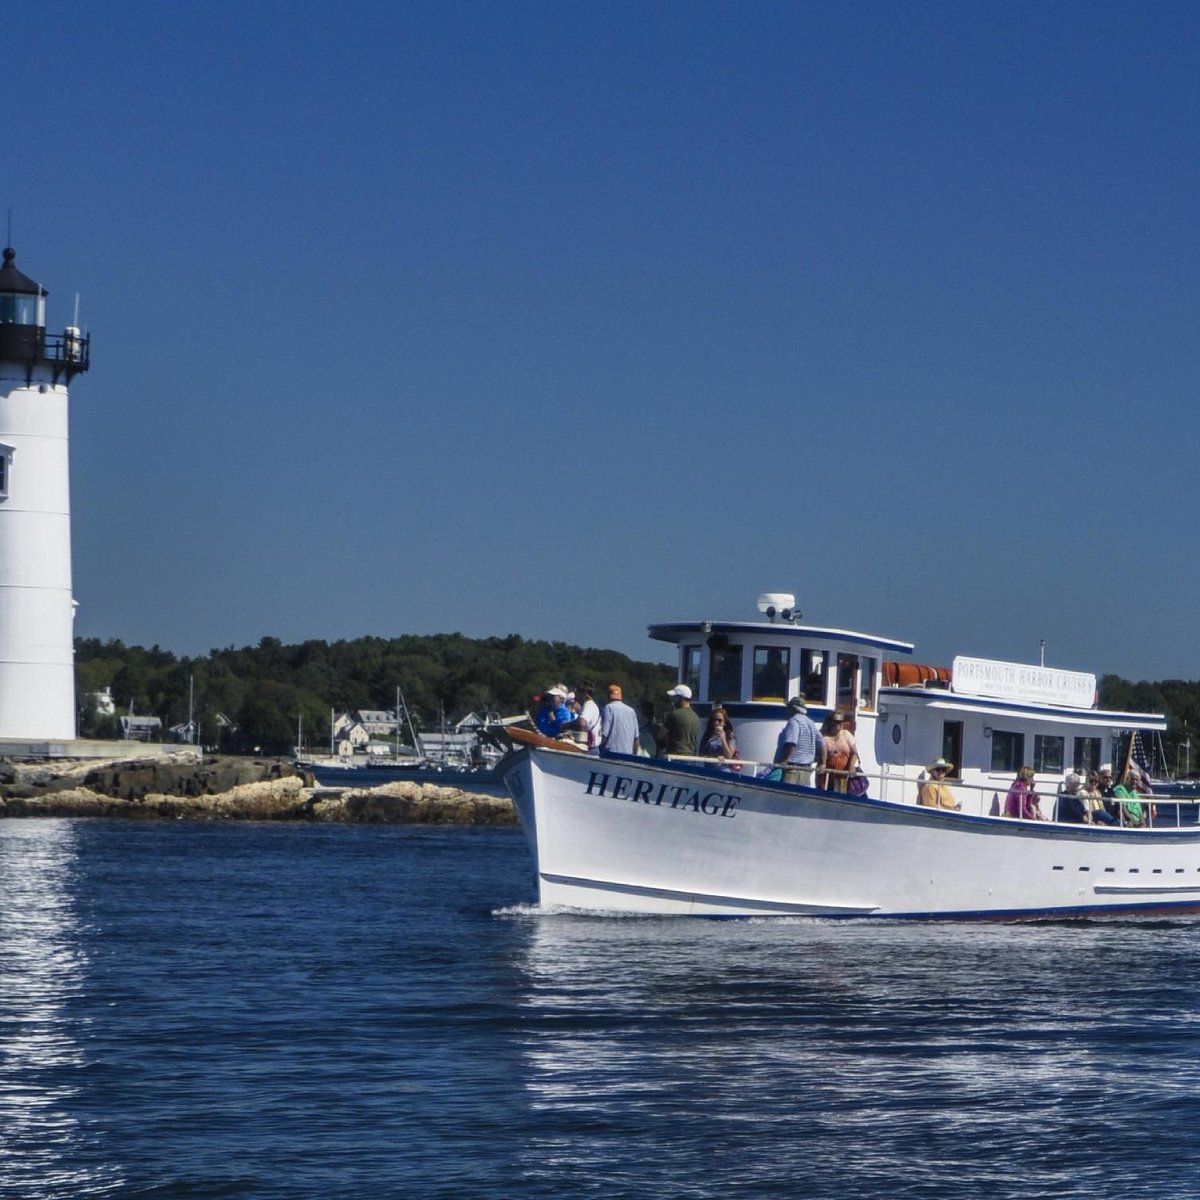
<point x="637" y="835"/>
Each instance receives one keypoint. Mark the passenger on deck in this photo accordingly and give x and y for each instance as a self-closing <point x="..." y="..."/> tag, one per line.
<point x="589" y="715"/>
<point x="1132" y="812"/>
<point x="1022" y="800"/>
<point x="553" y="716"/>
<point x="1072" y="807"/>
<point x="1094" y="801"/>
<point x="574" y="732"/>
<point x="800" y="746"/>
<point x="1106" y="791"/>
<point x="680" y="732"/>
<point x="935" y="791"/>
<point x="618" y="724"/>
<point x="648" y="731"/>
<point x="718" y="741"/>
<point x="841" y="753"/>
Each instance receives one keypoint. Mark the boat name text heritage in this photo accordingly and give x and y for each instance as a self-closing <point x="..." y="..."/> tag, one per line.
<point x="625" y="787"/>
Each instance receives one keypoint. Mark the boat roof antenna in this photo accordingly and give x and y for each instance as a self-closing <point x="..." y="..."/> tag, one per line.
<point x="781" y="605"/>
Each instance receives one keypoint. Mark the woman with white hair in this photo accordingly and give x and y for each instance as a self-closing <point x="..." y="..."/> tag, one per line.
<point x="1072" y="809"/>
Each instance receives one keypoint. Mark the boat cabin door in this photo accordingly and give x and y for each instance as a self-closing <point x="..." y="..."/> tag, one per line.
<point x="893" y="752"/>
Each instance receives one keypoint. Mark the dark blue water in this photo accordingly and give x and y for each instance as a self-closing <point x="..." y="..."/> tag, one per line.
<point x="221" y="1010"/>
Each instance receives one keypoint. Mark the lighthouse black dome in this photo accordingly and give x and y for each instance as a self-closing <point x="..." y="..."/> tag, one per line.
<point x="23" y="328"/>
<point x="14" y="282"/>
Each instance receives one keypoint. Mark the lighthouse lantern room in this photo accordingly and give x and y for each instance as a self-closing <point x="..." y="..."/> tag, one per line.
<point x="37" y="658"/>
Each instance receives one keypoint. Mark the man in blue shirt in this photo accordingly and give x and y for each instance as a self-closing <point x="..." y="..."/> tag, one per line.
<point x="618" y="724"/>
<point x="800" y="746"/>
<point x="554" y="716"/>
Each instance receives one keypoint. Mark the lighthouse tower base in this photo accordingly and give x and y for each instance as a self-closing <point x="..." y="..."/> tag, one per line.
<point x="37" y="612"/>
<point x="20" y="750"/>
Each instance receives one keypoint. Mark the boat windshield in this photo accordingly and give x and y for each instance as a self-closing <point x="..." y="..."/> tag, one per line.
<point x="725" y="674"/>
<point x="772" y="670"/>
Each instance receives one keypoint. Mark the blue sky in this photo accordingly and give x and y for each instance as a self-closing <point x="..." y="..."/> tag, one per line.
<point x="562" y="318"/>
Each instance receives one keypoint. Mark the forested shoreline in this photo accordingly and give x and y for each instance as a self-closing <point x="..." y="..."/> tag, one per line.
<point x="259" y="696"/>
<point x="269" y="690"/>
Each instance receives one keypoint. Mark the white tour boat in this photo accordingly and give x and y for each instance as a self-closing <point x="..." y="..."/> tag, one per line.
<point x="709" y="838"/>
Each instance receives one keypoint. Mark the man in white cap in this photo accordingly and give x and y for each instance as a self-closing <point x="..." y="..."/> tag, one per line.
<point x="553" y="716"/>
<point x="680" y="733"/>
<point x="800" y="746"/>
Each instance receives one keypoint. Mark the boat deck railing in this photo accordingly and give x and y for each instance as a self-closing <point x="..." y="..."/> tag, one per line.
<point x="977" y="799"/>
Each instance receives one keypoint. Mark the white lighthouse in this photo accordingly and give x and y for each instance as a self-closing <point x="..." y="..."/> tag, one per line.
<point x="37" y="610"/>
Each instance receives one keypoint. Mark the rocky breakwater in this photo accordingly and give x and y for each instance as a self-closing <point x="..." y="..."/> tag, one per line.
<point x="230" y="789"/>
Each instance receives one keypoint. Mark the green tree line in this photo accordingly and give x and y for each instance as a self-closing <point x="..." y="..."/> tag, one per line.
<point x="1177" y="699"/>
<point x="269" y="690"/>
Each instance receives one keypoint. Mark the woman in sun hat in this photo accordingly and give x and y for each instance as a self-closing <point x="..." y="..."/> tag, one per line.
<point x="935" y="791"/>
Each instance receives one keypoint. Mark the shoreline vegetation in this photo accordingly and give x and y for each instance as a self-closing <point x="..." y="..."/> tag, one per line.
<point x="260" y="698"/>
<point x="230" y="789"/>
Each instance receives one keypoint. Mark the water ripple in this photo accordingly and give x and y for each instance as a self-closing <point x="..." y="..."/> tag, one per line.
<point x="260" y="1012"/>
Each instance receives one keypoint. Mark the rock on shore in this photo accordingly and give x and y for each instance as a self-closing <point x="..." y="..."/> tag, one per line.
<point x="231" y="789"/>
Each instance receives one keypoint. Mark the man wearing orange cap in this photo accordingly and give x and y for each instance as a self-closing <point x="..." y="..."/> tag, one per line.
<point x="618" y="724"/>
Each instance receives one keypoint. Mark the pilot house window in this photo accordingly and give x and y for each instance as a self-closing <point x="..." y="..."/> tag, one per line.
<point x="812" y="674"/>
<point x="866" y="681"/>
<point x="1047" y="754"/>
<point x="1008" y="750"/>
<point x="725" y="674"/>
<point x="772" y="670"/>
<point x="847" y="672"/>
<point x="1087" y="754"/>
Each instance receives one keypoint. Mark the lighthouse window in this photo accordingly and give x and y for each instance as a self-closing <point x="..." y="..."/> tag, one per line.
<point x="18" y="310"/>
<point x="5" y="468"/>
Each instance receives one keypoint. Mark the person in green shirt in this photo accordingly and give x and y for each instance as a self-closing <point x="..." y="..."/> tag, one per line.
<point x="680" y="733"/>
<point x="1132" y="811"/>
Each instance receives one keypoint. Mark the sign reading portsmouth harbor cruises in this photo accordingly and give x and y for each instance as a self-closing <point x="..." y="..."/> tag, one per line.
<point x="1020" y="681"/>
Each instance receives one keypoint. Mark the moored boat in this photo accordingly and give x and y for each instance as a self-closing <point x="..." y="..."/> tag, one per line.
<point x="377" y="774"/>
<point x="690" y="836"/>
